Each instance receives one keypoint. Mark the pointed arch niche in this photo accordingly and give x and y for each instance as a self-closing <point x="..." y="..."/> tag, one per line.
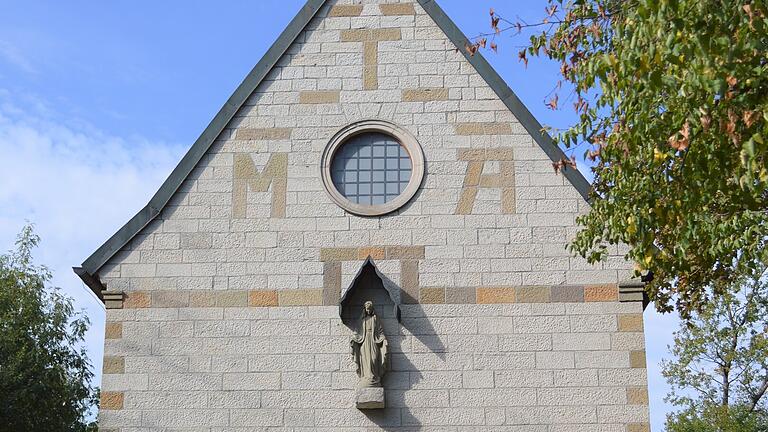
<point x="370" y="284"/>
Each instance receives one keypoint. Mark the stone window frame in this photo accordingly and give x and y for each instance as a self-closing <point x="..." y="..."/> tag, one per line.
<point x="405" y="138"/>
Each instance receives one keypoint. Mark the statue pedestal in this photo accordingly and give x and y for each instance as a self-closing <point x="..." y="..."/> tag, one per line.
<point x="370" y="398"/>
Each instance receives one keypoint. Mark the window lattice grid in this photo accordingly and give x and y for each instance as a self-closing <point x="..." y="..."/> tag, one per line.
<point x="371" y="169"/>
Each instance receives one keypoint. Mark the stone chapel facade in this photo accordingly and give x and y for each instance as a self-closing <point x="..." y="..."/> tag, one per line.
<point x="368" y="156"/>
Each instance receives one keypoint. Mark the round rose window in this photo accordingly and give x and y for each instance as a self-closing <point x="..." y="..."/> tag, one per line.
<point x="372" y="168"/>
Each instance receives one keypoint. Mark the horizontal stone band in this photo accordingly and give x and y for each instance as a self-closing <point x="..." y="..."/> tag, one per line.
<point x="427" y="295"/>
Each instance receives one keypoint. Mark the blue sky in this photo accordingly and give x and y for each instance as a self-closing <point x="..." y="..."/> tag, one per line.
<point x="99" y="101"/>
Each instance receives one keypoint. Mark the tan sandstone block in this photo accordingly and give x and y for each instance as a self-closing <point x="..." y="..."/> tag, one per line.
<point x="345" y="11"/>
<point x="495" y="295"/>
<point x="637" y="396"/>
<point x="170" y="299"/>
<point x="113" y="365"/>
<point x="472" y="154"/>
<point x="370" y="65"/>
<point x="461" y="295"/>
<point x="311" y="297"/>
<point x="136" y="300"/>
<point x="508" y="201"/>
<point x="113" y="330"/>
<point x="638" y="427"/>
<point x="631" y="322"/>
<point x="265" y="134"/>
<point x="379" y="34"/>
<point x="370" y="78"/>
<point x="409" y="281"/>
<point x="202" y="299"/>
<point x="466" y="201"/>
<point x="432" y="296"/>
<point x="319" y="97"/>
<point x="474" y="173"/>
<point x="338" y="254"/>
<point x="259" y="298"/>
<point x="567" y="294"/>
<point x="491" y="181"/>
<point x="425" y="94"/>
<point x="331" y="283"/>
<point x="376" y="253"/>
<point x="405" y="252"/>
<point x="390" y="9"/>
<point x="371" y="53"/>
<point x="466" y="129"/>
<point x="111" y="400"/>
<point x="501" y="154"/>
<point x="637" y="359"/>
<point x="601" y="293"/>
<point x="533" y="294"/>
<point x="232" y="298"/>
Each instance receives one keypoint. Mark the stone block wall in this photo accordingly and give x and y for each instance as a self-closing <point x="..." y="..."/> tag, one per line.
<point x="229" y="320"/>
<point x="481" y="367"/>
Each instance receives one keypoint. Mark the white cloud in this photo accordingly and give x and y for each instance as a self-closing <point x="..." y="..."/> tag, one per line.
<point x="12" y="55"/>
<point x="78" y="185"/>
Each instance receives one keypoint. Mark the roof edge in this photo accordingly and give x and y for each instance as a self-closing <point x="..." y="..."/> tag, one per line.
<point x="93" y="263"/>
<point x="92" y="281"/>
<point x="505" y="93"/>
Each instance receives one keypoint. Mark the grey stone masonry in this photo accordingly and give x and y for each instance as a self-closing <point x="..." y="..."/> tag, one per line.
<point x="571" y="366"/>
<point x="223" y="310"/>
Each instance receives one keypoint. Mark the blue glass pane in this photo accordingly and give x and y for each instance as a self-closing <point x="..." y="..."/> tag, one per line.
<point x="371" y="169"/>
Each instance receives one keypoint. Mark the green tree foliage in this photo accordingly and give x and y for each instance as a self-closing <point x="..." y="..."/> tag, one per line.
<point x="45" y="379"/>
<point x="719" y="373"/>
<point x="672" y="102"/>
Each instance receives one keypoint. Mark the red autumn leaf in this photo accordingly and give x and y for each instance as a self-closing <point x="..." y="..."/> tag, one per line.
<point x="552" y="104"/>
<point x="564" y="163"/>
<point x="706" y="120"/>
<point x="495" y="24"/>
<point x="748" y="9"/>
<point x="471" y="49"/>
<point x="557" y="165"/>
<point x="681" y="143"/>
<point x="521" y="56"/>
<point x="482" y="42"/>
<point x="551" y="11"/>
<point x="749" y="117"/>
<point x="493" y="12"/>
<point x="494" y="47"/>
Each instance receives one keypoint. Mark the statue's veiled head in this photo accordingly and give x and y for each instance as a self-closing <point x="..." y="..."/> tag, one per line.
<point x="368" y="308"/>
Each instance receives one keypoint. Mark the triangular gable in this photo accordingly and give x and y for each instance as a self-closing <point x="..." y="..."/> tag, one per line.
<point x="90" y="267"/>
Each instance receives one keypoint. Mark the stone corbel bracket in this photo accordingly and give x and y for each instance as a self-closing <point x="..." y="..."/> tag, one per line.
<point x="113" y="299"/>
<point x="633" y="291"/>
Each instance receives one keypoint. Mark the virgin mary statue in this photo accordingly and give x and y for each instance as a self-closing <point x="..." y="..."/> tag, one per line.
<point x="369" y="348"/>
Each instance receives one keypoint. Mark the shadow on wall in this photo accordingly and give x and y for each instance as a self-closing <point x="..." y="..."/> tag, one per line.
<point x="414" y="336"/>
